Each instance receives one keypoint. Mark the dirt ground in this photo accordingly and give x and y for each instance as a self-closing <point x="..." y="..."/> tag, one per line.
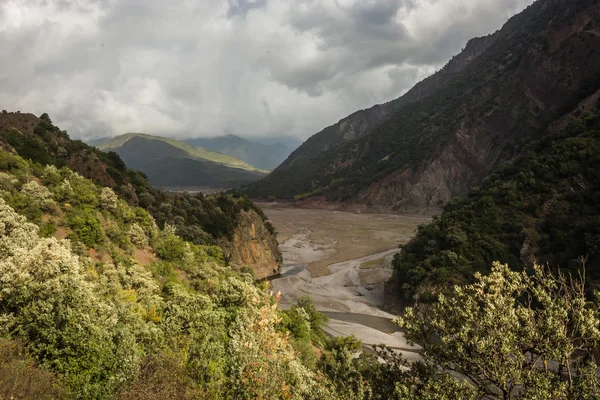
<point x="343" y="235"/>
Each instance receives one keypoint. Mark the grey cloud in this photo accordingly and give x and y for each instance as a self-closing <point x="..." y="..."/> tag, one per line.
<point x="202" y="68"/>
<point x="243" y="7"/>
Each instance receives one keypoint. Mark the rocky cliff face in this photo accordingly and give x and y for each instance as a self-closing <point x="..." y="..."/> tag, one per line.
<point x="253" y="246"/>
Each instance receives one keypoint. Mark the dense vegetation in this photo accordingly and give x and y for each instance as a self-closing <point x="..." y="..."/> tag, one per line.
<point x="486" y="99"/>
<point x="124" y="309"/>
<point x="197" y="218"/>
<point x="544" y="205"/>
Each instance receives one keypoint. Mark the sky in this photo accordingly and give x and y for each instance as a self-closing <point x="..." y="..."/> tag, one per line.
<point x="202" y="68"/>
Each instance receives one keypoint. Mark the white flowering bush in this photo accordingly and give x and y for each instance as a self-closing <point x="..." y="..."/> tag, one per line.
<point x="51" y="175"/>
<point x="39" y="194"/>
<point x="263" y="359"/>
<point x="137" y="235"/>
<point x="515" y="335"/>
<point x="108" y="199"/>
<point x="47" y="301"/>
<point x="64" y="192"/>
<point x="7" y="181"/>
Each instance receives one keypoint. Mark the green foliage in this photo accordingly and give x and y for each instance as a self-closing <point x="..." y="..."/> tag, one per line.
<point x="305" y="324"/>
<point x="186" y="325"/>
<point x="24" y="204"/>
<point x="544" y="206"/>
<point x="169" y="246"/>
<point x="86" y="226"/>
<point x="512" y="335"/>
<point x="47" y="229"/>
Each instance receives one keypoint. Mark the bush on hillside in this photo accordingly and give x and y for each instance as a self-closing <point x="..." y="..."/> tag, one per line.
<point x="108" y="200"/>
<point x="39" y="194"/>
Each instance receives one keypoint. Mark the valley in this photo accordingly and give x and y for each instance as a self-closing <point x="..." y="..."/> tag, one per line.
<point x="444" y="244"/>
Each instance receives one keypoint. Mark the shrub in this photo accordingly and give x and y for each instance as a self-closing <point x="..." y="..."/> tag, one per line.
<point x="7" y="181"/>
<point x="86" y="227"/>
<point x="49" y="304"/>
<point x="39" y="194"/>
<point x="137" y="235"/>
<point x="108" y="199"/>
<point x="64" y="192"/>
<point x="514" y="334"/>
<point x="169" y="246"/>
<point x="116" y="234"/>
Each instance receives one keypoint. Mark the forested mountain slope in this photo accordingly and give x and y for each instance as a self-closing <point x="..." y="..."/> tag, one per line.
<point x="543" y="206"/>
<point x="169" y="162"/>
<point x="217" y="219"/>
<point x="539" y="66"/>
<point x="97" y="302"/>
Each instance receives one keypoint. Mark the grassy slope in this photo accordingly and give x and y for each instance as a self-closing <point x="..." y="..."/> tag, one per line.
<point x="193" y="151"/>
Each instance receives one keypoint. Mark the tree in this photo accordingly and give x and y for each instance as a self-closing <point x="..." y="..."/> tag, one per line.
<point x="511" y="335"/>
<point x="46" y="118"/>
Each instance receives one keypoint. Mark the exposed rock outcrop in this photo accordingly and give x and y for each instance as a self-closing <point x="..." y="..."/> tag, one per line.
<point x="253" y="246"/>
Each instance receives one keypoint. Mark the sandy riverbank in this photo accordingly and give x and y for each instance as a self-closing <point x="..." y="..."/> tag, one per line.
<point x="338" y="236"/>
<point x="342" y="260"/>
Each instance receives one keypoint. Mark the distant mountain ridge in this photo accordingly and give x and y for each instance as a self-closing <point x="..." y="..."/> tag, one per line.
<point x="488" y="106"/>
<point x="169" y="162"/>
<point x="264" y="155"/>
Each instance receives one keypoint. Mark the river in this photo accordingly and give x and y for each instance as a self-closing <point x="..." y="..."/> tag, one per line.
<point x="349" y="292"/>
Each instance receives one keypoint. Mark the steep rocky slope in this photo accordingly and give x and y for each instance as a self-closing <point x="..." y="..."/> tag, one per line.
<point x="216" y="219"/>
<point x="536" y="68"/>
<point x="362" y="122"/>
<point x="252" y="244"/>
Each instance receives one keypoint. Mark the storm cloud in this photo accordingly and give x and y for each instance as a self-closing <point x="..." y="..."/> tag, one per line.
<point x="210" y="67"/>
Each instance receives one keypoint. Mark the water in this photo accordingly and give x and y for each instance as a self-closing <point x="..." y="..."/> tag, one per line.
<point x="380" y="323"/>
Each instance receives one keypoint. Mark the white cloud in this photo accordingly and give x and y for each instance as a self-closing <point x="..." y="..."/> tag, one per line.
<point x="249" y="67"/>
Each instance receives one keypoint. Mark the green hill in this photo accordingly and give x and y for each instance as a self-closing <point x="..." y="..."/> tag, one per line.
<point x="198" y="153"/>
<point x="169" y="162"/>
<point x="262" y="155"/>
